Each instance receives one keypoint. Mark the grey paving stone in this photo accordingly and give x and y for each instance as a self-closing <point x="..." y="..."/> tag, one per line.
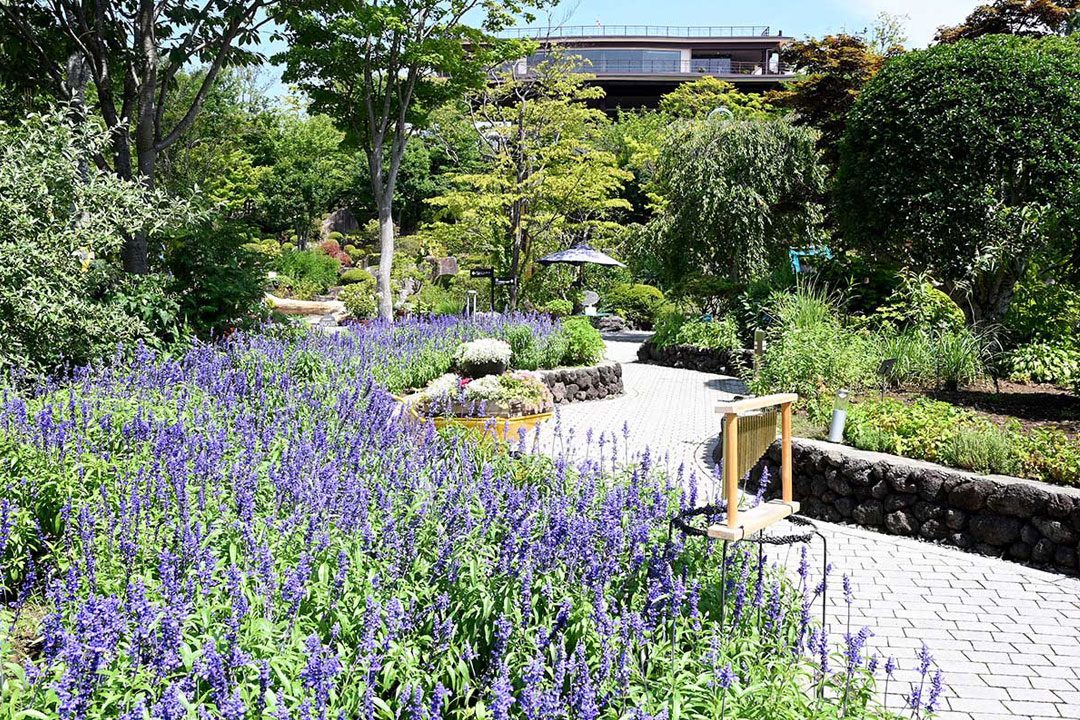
<point x="1017" y="628"/>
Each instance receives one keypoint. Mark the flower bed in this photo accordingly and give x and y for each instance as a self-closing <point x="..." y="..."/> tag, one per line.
<point x="251" y="531"/>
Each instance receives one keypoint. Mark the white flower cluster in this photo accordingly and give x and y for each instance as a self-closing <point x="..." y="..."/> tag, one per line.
<point x="488" y="387"/>
<point x="484" y="350"/>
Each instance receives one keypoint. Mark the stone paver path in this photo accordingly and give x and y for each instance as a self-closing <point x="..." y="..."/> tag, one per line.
<point x="1007" y="636"/>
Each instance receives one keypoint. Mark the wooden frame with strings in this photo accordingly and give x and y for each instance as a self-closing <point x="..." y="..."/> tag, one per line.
<point x="740" y="525"/>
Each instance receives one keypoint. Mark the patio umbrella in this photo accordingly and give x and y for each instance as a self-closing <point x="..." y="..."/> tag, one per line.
<point x="580" y="255"/>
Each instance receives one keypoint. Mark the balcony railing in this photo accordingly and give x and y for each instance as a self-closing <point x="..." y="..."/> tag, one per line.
<point x="584" y="31"/>
<point x="700" y="66"/>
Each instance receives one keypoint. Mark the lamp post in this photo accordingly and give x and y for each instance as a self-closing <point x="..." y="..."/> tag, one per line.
<point x="839" y="416"/>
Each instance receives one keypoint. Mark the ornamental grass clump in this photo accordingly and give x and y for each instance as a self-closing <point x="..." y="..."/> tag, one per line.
<point x="254" y="531"/>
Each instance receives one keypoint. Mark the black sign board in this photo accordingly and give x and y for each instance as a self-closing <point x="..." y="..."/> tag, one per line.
<point x="504" y="281"/>
<point x="482" y="272"/>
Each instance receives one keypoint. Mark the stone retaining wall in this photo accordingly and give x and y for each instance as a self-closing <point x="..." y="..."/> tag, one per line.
<point x="584" y="383"/>
<point x="690" y="357"/>
<point x="1022" y="520"/>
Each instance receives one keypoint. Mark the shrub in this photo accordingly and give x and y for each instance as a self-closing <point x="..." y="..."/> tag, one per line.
<point x="1051" y="455"/>
<point x="1043" y="310"/>
<point x="982" y="449"/>
<point x="557" y="307"/>
<point x="310" y="267"/>
<point x="1043" y="363"/>
<point x="918" y="429"/>
<point x="917" y="303"/>
<point x="636" y="304"/>
<point x="937" y="431"/>
<point x="524" y="350"/>
<point x="219" y="282"/>
<point x="811" y="351"/>
<point x="357" y="275"/>
<point x="584" y="345"/>
<point x="928" y="164"/>
<point x="673" y="328"/>
<point x="360" y="301"/>
<point x="60" y="233"/>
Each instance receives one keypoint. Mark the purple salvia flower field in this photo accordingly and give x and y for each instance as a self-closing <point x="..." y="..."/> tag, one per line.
<point x="253" y="529"/>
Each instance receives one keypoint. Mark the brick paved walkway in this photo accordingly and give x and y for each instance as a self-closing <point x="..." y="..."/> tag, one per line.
<point x="1006" y="636"/>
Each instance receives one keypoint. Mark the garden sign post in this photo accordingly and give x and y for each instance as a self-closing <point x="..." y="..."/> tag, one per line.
<point x="490" y="274"/>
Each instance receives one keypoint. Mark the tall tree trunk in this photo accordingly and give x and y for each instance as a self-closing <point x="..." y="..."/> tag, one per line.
<point x="386" y="256"/>
<point x="136" y="247"/>
<point x="78" y="75"/>
<point x="517" y="214"/>
<point x="515" y="253"/>
<point x="986" y="301"/>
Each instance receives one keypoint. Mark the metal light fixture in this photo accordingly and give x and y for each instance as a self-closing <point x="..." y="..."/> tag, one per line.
<point x="839" y="416"/>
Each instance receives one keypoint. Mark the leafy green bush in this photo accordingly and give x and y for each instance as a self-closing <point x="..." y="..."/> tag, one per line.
<point x="357" y="275"/>
<point x="61" y="233"/>
<point x="218" y="280"/>
<point x="1043" y="310"/>
<point x="359" y="300"/>
<point x="937" y="431"/>
<point x="524" y="351"/>
<point x="1051" y="455"/>
<point x="673" y="328"/>
<point x="309" y="266"/>
<point x="918" y="429"/>
<point x="917" y="303"/>
<point x="928" y="172"/>
<point x="636" y="304"/>
<point x="1043" y="363"/>
<point x="584" y="345"/>
<point x="557" y="307"/>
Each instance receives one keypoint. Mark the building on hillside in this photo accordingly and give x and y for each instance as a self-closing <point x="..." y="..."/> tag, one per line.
<point x="637" y="64"/>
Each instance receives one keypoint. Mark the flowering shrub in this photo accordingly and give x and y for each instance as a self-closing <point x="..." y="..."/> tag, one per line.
<point x="252" y="531"/>
<point x="359" y="300"/>
<point x="506" y="395"/>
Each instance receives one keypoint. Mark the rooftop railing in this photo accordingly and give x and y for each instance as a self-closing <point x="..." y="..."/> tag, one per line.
<point x="700" y="66"/>
<point x="583" y="31"/>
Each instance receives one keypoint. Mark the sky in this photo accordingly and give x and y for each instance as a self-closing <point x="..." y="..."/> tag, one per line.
<point x="795" y="18"/>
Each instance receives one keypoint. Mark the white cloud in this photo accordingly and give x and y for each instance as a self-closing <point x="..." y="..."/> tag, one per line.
<point x="923" y="16"/>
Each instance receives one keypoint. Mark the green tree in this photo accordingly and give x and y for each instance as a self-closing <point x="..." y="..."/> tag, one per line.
<point x="546" y="177"/>
<point x="963" y="160"/>
<point x="699" y="98"/>
<point x="132" y="52"/>
<point x="1031" y="18"/>
<point x="225" y="152"/>
<point x="736" y="195"/>
<point x="63" y="221"/>
<point x="832" y="73"/>
<point x="309" y="171"/>
<point x="378" y="68"/>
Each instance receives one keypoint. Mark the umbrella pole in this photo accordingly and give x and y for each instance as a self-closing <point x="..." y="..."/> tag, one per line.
<point x="579" y="286"/>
